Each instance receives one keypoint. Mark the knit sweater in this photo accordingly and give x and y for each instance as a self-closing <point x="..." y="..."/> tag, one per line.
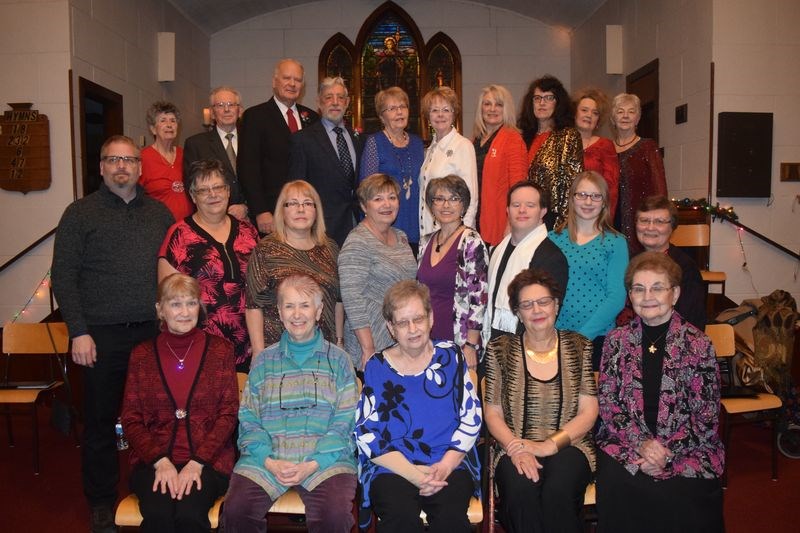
<point x="104" y="259"/>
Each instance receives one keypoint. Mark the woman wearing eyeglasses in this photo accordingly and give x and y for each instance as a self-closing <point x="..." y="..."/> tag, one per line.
<point x="449" y="153"/>
<point x="659" y="409"/>
<point x="555" y="149"/>
<point x="417" y="422"/>
<point x="453" y="263"/>
<point x="213" y="247"/>
<point x="399" y="154"/>
<point x="597" y="256"/>
<point x="298" y="245"/>
<point x="296" y="423"/>
<point x="641" y="169"/>
<point x="162" y="162"/>
<point x="540" y="405"/>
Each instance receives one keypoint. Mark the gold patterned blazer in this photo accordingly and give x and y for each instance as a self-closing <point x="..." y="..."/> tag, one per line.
<point x="554" y="166"/>
<point x="549" y="404"/>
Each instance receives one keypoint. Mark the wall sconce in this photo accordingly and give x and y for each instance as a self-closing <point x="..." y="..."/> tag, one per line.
<point x="207" y="117"/>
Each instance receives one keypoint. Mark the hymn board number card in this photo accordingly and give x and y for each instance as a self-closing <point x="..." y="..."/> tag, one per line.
<point x="24" y="149"/>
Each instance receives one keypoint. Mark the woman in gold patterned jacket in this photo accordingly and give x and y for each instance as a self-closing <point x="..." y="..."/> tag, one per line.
<point x="540" y="405"/>
<point x="555" y="148"/>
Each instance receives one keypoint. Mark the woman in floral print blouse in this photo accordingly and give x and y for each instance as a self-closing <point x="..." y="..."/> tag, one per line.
<point x="659" y="453"/>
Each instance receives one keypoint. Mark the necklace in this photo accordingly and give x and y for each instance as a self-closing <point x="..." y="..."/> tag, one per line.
<point x="652" y="348"/>
<point x="543" y="358"/>
<point x="181" y="366"/>
<point x="627" y="143"/>
<point x="398" y="143"/>
<point x="439" y="243"/>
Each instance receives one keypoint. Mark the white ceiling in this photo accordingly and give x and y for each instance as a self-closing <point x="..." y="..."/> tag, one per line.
<point x="213" y="15"/>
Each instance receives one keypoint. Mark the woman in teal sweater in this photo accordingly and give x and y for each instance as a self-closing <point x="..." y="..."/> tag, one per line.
<point x="597" y="257"/>
<point x="296" y="419"/>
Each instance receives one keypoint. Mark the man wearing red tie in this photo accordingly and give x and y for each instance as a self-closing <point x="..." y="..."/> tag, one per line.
<point x="263" y="157"/>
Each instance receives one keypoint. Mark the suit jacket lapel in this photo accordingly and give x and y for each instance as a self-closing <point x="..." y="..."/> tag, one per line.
<point x="218" y="149"/>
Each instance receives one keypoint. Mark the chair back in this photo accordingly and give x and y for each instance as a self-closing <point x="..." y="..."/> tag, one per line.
<point x="41" y="338"/>
<point x="722" y="338"/>
<point x="688" y="235"/>
<point x="241" y="377"/>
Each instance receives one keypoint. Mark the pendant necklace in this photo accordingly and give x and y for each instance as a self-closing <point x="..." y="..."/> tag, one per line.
<point x="181" y="366"/>
<point x="439" y="242"/>
<point x="652" y="348"/>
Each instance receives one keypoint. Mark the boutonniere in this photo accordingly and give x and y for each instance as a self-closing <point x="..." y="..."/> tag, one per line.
<point x="494" y="152"/>
<point x="449" y="153"/>
<point x="356" y="133"/>
<point x="305" y="118"/>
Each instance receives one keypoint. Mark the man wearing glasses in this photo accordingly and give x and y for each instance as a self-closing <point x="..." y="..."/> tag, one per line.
<point x="104" y="278"/>
<point x="526" y="246"/>
<point x="221" y="143"/>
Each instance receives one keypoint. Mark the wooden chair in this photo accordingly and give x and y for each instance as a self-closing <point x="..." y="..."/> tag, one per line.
<point x="128" y="513"/>
<point x="698" y="235"/>
<point x="42" y="339"/>
<point x="735" y="411"/>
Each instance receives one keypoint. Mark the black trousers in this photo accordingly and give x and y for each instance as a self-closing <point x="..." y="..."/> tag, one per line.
<point x="627" y="503"/>
<point x="102" y="398"/>
<point x="162" y="514"/>
<point x="550" y="505"/>
<point x="397" y="503"/>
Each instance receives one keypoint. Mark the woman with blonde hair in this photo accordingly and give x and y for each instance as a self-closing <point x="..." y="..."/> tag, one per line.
<point x="449" y="153"/>
<point x="298" y="245"/>
<point x="501" y="159"/>
<point x="597" y="256"/>
<point x="591" y="111"/>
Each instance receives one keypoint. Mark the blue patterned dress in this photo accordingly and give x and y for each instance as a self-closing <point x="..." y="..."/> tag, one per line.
<point x="421" y="416"/>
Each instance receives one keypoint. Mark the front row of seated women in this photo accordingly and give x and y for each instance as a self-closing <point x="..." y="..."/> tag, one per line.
<point x="657" y="453"/>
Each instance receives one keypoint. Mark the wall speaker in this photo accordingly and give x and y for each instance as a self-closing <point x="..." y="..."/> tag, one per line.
<point x="744" y="155"/>
<point x="166" y="56"/>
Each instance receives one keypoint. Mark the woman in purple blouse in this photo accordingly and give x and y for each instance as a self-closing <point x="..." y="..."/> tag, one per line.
<point x="659" y="453"/>
<point x="453" y="263"/>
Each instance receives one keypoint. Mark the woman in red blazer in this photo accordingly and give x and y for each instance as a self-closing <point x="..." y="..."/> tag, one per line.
<point x="502" y="159"/>
<point x="179" y="412"/>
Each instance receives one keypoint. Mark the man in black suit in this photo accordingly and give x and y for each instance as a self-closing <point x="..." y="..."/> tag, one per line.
<point x="263" y="160"/>
<point x="326" y="154"/>
<point x="221" y="143"/>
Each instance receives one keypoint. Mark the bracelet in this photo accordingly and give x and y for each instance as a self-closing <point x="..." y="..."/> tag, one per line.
<point x="472" y="345"/>
<point x="339" y="340"/>
<point x="561" y="439"/>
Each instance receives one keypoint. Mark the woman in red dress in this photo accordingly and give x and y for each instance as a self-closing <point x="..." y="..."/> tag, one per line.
<point x="591" y="110"/>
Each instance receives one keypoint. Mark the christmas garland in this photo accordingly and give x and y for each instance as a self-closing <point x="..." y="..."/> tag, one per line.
<point x="716" y="211"/>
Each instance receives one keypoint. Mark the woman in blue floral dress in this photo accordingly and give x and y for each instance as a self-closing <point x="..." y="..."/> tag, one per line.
<point x="417" y="422"/>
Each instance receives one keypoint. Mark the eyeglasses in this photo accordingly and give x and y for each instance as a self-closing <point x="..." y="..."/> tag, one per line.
<point x="639" y="291"/>
<point x="441" y="200"/>
<point x="206" y="191"/>
<point x="594" y="196"/>
<point x="294" y="204"/>
<point x="297" y="401"/>
<point x="393" y="108"/>
<point x="445" y="110"/>
<point x="539" y="98"/>
<point x="543" y="303"/>
<point x="225" y="105"/>
<point x="418" y="321"/>
<point x="654" y="221"/>
<point x="114" y="159"/>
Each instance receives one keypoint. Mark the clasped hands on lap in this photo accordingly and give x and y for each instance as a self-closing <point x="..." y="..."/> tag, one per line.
<point x="653" y="457"/>
<point x="290" y="474"/>
<point x="524" y="452"/>
<point x="180" y="483"/>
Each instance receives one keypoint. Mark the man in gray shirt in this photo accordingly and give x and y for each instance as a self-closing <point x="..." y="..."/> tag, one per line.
<point x="104" y="278"/>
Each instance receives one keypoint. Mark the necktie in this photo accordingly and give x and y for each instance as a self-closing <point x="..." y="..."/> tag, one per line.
<point x="291" y="121"/>
<point x="344" y="153"/>
<point x="229" y="150"/>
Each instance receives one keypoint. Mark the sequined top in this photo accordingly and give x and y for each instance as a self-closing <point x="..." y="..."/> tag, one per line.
<point x="641" y="174"/>
<point x="272" y="261"/>
<point x="554" y="166"/>
<point x="534" y="409"/>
